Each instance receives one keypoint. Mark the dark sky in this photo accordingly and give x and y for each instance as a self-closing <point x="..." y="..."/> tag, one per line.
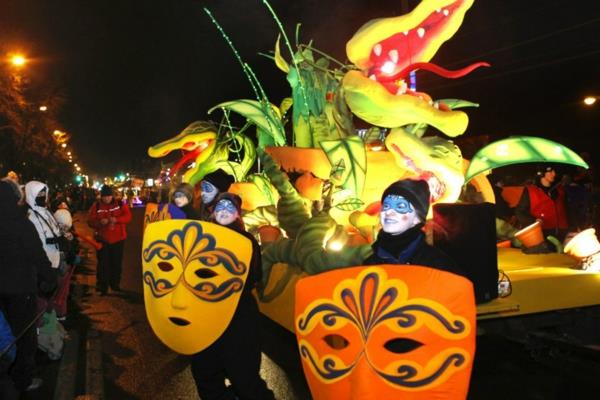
<point x="136" y="72"/>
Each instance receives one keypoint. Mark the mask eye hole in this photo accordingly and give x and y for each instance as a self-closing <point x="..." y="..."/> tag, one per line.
<point x="205" y="273"/>
<point x="165" y="266"/>
<point x="401" y="345"/>
<point x="337" y="342"/>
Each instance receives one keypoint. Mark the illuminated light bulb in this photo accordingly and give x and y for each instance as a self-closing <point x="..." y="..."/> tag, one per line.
<point x="338" y="240"/>
<point x="590" y="100"/>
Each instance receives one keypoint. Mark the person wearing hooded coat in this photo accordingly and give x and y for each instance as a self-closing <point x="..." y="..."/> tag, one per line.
<point x="36" y="196"/>
<point x="236" y="354"/>
<point x="211" y="185"/>
<point x="401" y="240"/>
<point x="25" y="271"/>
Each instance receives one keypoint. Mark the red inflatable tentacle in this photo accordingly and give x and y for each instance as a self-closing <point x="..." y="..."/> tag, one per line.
<point x="436" y="69"/>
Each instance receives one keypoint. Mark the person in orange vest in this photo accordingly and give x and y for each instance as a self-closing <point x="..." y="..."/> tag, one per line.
<point x="544" y="201"/>
<point x="109" y="217"/>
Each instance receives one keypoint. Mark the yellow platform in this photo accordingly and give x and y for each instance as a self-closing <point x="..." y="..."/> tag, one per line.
<point x="540" y="283"/>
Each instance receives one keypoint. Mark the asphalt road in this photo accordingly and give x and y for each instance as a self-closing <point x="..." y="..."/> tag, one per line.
<point x="119" y="357"/>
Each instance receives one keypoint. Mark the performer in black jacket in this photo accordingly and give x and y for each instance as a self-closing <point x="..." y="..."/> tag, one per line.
<point x="404" y="207"/>
<point x="236" y="354"/>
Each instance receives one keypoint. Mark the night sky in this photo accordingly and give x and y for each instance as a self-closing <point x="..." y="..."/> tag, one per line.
<point x="137" y="72"/>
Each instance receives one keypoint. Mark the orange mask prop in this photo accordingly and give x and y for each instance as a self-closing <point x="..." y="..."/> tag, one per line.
<point x="194" y="273"/>
<point x="386" y="332"/>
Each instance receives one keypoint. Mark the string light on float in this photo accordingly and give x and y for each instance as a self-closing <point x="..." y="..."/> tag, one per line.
<point x="337" y="240"/>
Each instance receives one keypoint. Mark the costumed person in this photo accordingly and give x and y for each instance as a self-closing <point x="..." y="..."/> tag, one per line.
<point x="181" y="205"/>
<point x="25" y="271"/>
<point x="401" y="240"/>
<point x="109" y="218"/>
<point x="211" y="185"/>
<point x="236" y="354"/>
<point x="544" y="201"/>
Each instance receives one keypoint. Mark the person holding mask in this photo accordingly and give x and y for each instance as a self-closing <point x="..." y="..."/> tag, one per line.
<point x="109" y="217"/>
<point x="25" y="271"/>
<point x="236" y="354"/>
<point x="401" y="240"/>
<point x="544" y="201"/>
<point x="211" y="185"/>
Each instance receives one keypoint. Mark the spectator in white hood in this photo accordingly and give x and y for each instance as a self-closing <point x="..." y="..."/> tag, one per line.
<point x="36" y="196"/>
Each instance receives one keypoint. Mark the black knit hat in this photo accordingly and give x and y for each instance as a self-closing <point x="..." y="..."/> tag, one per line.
<point x="186" y="189"/>
<point x="415" y="191"/>
<point x="219" y="179"/>
<point x="106" y="190"/>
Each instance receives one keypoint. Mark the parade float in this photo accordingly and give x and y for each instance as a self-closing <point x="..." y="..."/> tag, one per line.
<point x="311" y="182"/>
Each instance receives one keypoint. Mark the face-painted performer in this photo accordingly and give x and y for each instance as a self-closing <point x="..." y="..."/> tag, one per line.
<point x="211" y="185"/>
<point x="383" y="332"/>
<point x="404" y="208"/>
<point x="236" y="354"/>
<point x="181" y="206"/>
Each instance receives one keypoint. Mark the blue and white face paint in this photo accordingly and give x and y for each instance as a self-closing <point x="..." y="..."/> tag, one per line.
<point x="397" y="215"/>
<point x="209" y="191"/>
<point x="225" y="212"/>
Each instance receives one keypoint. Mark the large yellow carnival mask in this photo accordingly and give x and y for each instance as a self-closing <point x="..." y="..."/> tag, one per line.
<point x="386" y="332"/>
<point x="192" y="281"/>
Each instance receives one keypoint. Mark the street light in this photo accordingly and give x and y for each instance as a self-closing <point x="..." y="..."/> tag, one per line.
<point x="18" y="60"/>
<point x="43" y="108"/>
<point x="64" y="145"/>
<point x="590" y="100"/>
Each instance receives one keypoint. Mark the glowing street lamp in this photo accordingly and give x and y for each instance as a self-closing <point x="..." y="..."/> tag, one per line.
<point x="43" y="108"/>
<point x="64" y="145"/>
<point x="18" y="60"/>
<point x="590" y="100"/>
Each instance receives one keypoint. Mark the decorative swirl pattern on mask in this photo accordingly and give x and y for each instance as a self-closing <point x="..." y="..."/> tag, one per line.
<point x="191" y="244"/>
<point x="369" y="301"/>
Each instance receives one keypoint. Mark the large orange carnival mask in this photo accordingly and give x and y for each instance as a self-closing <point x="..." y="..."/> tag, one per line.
<point x="386" y="332"/>
<point x="192" y="281"/>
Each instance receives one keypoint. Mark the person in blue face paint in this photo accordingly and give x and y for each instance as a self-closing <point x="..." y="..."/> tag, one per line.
<point x="236" y="354"/>
<point x="211" y="185"/>
<point x="401" y="240"/>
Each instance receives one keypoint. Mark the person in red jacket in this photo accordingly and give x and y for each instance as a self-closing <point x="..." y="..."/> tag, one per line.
<point x="109" y="218"/>
<point x="544" y="201"/>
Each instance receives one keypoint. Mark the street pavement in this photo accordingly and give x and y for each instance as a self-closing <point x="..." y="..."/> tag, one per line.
<point x="112" y="352"/>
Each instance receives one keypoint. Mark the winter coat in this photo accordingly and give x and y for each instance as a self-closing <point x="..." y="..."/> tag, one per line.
<point x="417" y="252"/>
<point x="24" y="265"/>
<point x="548" y="206"/>
<point x="109" y="233"/>
<point x="44" y="222"/>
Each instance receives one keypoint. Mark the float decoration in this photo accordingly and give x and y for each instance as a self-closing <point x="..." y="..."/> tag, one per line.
<point x="519" y="150"/>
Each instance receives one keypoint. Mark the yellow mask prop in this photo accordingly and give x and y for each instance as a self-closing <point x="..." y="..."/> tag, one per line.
<point x="193" y="280"/>
<point x="386" y="332"/>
